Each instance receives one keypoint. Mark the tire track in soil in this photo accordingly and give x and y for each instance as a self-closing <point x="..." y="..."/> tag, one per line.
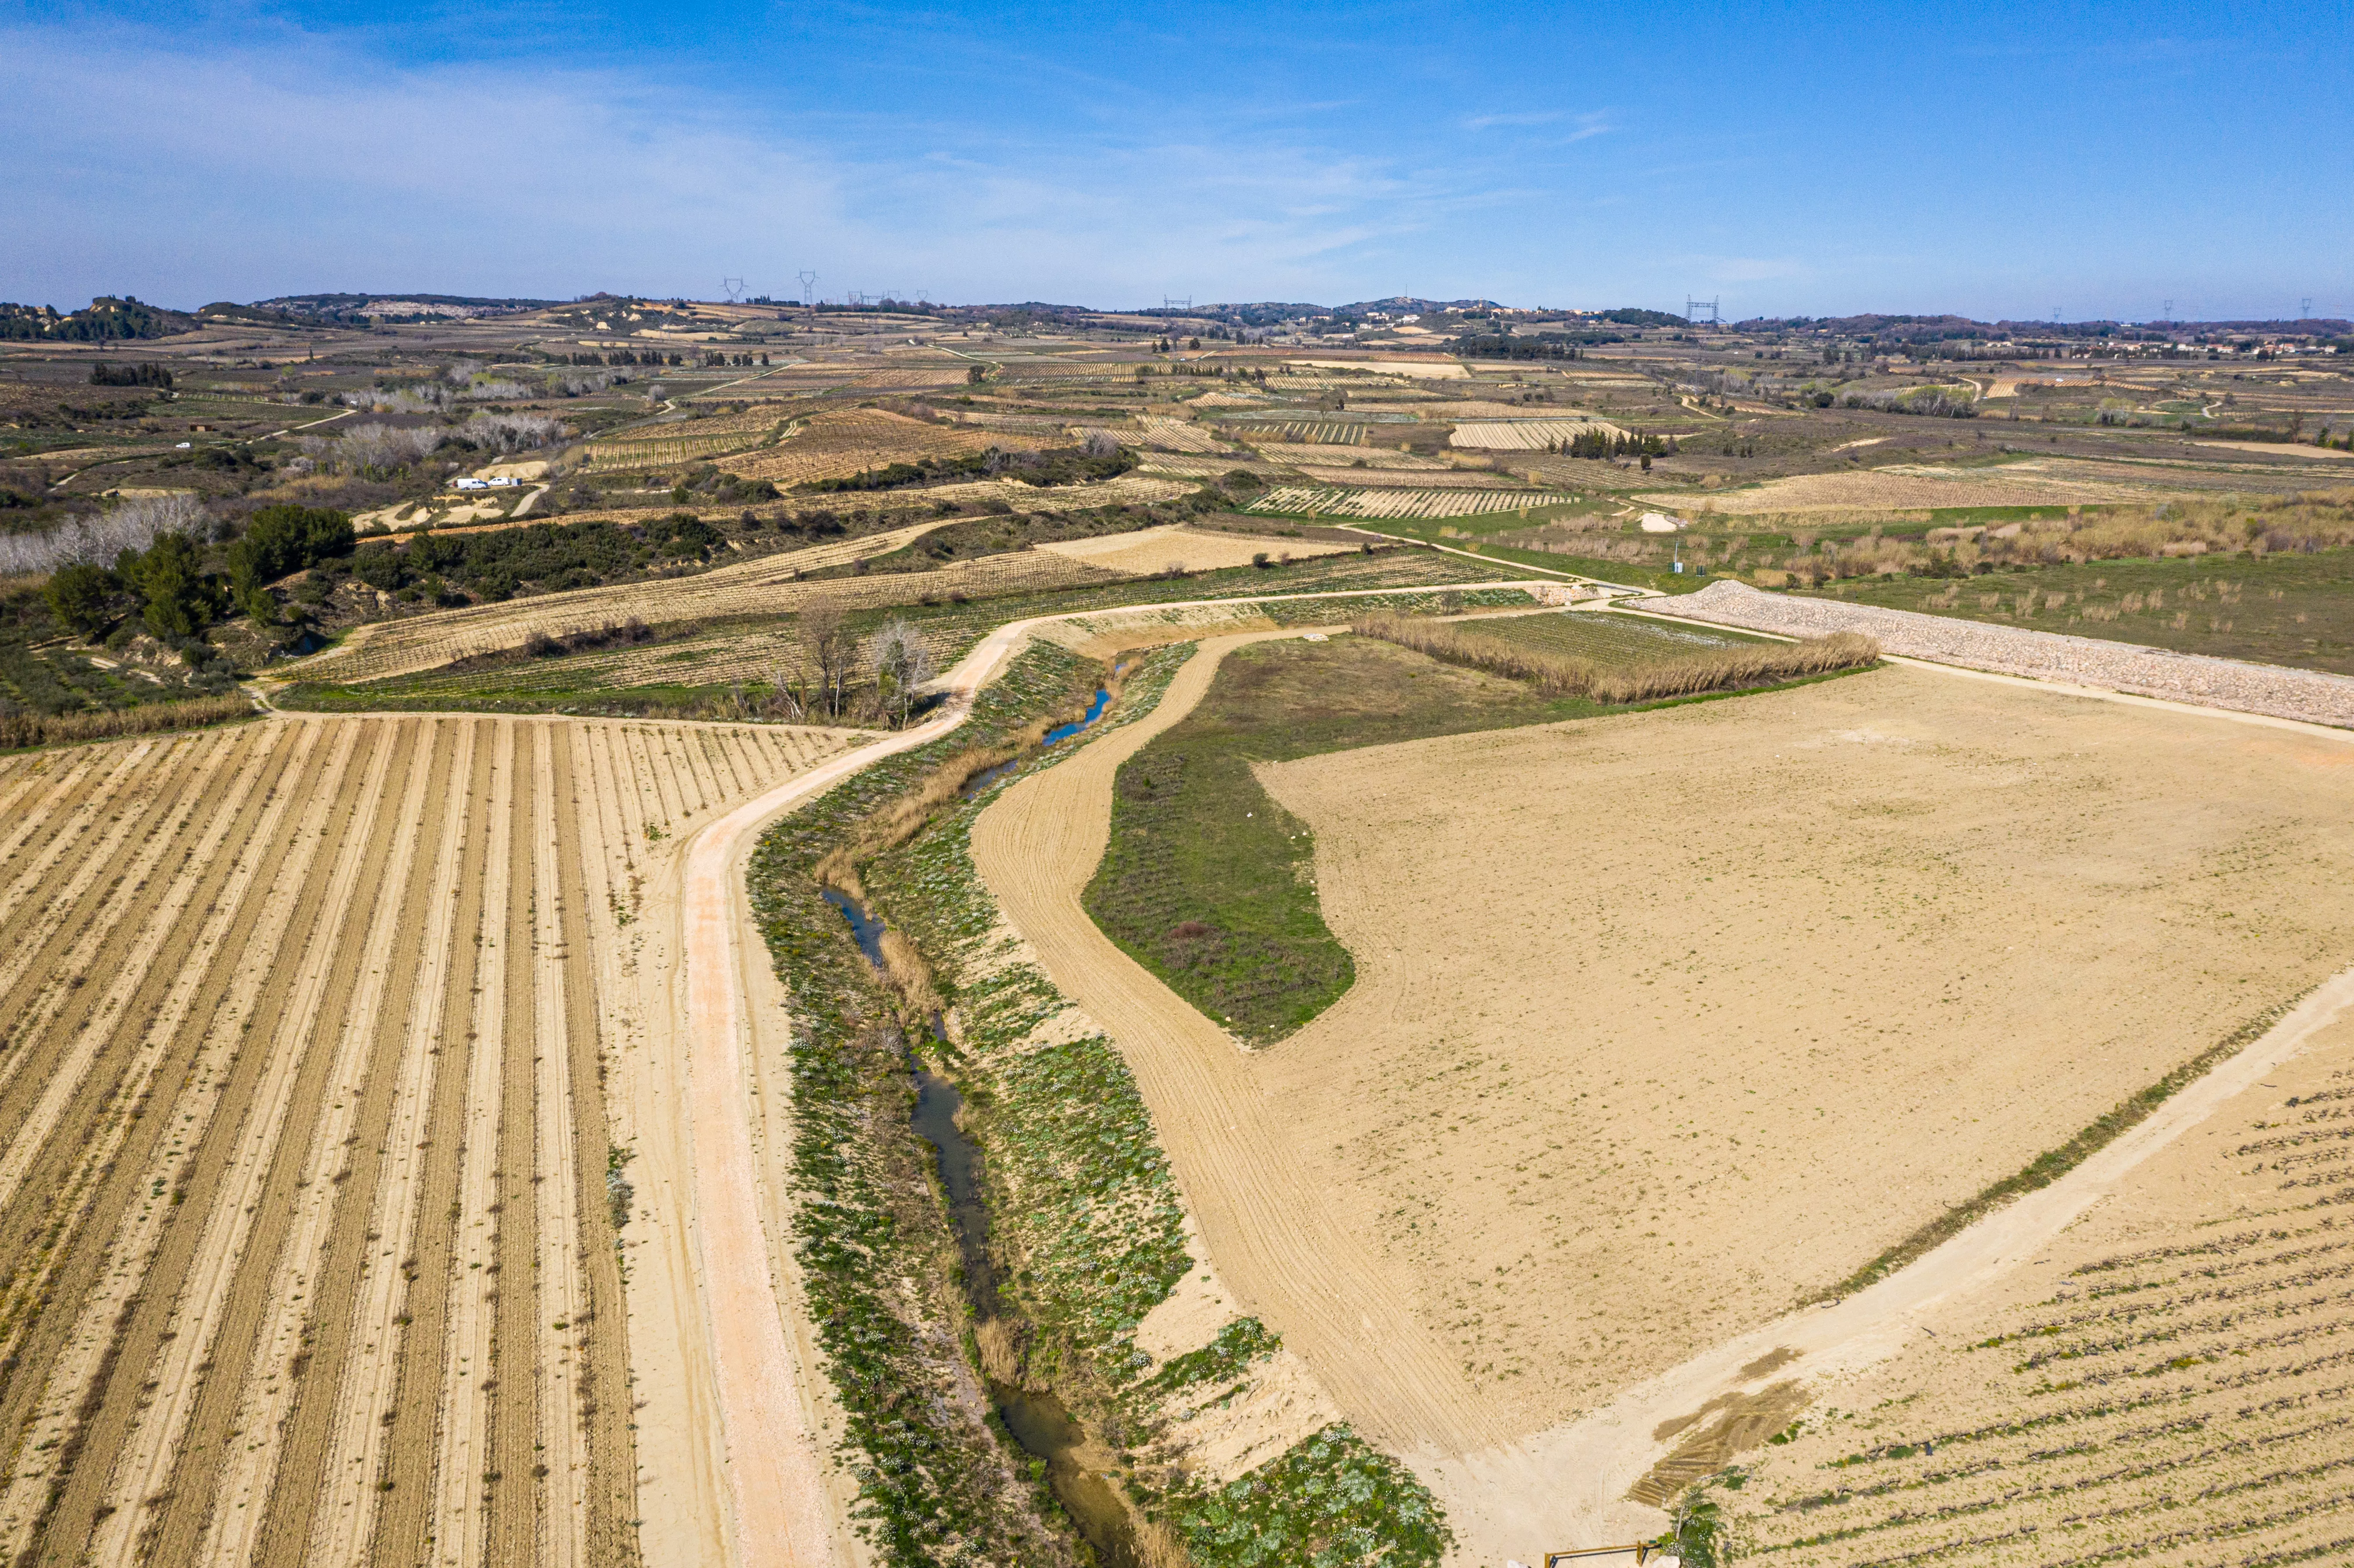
<point x="38" y="837"/>
<point x="31" y="1369"/>
<point x="147" y="1322"/>
<point x="118" y="948"/>
<point x="461" y="1493"/>
<point x="404" y="1531"/>
<point x="602" y="1358"/>
<point x="371" y="1371"/>
<point x="221" y="1179"/>
<point x="33" y="1043"/>
<point x="207" y="1498"/>
<point x="514" y="1492"/>
<point x="35" y="1230"/>
<point x="298" y="1493"/>
<point x="562" y="1448"/>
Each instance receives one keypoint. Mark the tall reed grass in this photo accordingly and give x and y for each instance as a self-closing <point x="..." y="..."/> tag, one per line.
<point x="22" y="729"/>
<point x="1562" y="674"/>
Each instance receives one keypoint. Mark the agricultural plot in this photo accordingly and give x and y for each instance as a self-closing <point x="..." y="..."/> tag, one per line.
<point x="2029" y="483"/>
<point x="1372" y="454"/>
<point x="2166" y="1382"/>
<point x="1149" y="550"/>
<point x="1178" y="436"/>
<point x="407" y="646"/>
<point x="1167" y="465"/>
<point x="1308" y="432"/>
<point x="1525" y="435"/>
<point x="1322" y="501"/>
<point x="1605" y="971"/>
<point x="836" y="445"/>
<point x="307" y="1253"/>
<point x="1432" y="478"/>
<point x="1611" y="641"/>
<point x="666" y="452"/>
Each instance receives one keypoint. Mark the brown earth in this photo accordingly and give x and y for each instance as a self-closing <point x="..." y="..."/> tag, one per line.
<point x="310" y="1256"/>
<point x="1736" y="996"/>
<point x="2164" y="1381"/>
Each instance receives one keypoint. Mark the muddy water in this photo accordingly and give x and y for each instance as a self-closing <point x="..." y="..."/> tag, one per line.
<point x="1039" y="1422"/>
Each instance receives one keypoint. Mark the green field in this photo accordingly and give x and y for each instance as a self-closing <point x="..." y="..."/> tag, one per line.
<point x="1207" y="882"/>
<point x="1610" y="642"/>
<point x="2296" y="609"/>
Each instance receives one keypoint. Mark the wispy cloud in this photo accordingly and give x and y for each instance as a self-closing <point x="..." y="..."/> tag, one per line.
<point x="1595" y="123"/>
<point x="188" y="175"/>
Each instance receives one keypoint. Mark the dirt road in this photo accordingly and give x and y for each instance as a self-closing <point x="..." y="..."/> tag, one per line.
<point x="1264" y="1221"/>
<point x="1568" y="1486"/>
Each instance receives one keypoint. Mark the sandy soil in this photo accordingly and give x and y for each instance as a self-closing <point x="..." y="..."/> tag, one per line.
<point x="1260" y="1210"/>
<point x="2282" y="449"/>
<point x="2012" y="484"/>
<point x="1152" y="549"/>
<point x="1422" y="369"/>
<point x="2204" y="1285"/>
<point x="1607" y="1140"/>
<point x="311" y="1061"/>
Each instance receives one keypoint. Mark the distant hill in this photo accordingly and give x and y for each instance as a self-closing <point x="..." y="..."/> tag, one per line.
<point x="106" y="320"/>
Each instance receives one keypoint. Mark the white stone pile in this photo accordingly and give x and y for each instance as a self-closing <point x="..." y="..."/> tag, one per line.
<point x="2308" y="694"/>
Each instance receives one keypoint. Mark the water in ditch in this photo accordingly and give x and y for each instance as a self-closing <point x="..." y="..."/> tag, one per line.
<point x="1039" y="1422"/>
<point x="1061" y="732"/>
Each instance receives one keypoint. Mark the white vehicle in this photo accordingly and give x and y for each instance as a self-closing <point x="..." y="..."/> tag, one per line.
<point x="503" y="482"/>
<point x="470" y="482"/>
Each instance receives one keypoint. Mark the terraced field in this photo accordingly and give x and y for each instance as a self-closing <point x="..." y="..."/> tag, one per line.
<point x="2171" y="1385"/>
<point x="770" y="585"/>
<point x="835" y="445"/>
<point x="306" y="1249"/>
<point x="1525" y="435"/>
<point x="1323" y="500"/>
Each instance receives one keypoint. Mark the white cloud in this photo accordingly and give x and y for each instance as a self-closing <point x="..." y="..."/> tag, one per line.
<point x="187" y="175"/>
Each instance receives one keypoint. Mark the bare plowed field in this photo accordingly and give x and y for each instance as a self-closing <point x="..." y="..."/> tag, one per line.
<point x="770" y="585"/>
<point x="1525" y="435"/>
<point x="1664" y="1022"/>
<point x="1422" y="500"/>
<point x="306" y="1250"/>
<point x="2166" y="1381"/>
<point x="1149" y="550"/>
<point x="837" y="445"/>
<point x="1909" y="487"/>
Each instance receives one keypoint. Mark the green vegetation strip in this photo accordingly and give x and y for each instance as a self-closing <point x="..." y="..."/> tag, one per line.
<point x="1207" y="882"/>
<point x="1088" y="1231"/>
<point x="2052" y="1164"/>
<point x="877" y="1260"/>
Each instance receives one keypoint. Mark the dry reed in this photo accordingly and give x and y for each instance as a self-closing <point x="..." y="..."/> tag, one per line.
<point x="18" y="730"/>
<point x="1564" y="675"/>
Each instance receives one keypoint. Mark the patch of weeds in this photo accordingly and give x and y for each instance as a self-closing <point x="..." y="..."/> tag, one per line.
<point x="1087" y="1226"/>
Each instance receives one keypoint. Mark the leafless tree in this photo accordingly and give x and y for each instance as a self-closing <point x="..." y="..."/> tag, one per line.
<point x="826" y="640"/>
<point x="1102" y="444"/>
<point x="133" y="525"/>
<point x="900" y="664"/>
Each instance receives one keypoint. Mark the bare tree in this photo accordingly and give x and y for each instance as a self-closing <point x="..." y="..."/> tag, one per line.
<point x="826" y="640"/>
<point x="900" y="664"/>
<point x="1102" y="444"/>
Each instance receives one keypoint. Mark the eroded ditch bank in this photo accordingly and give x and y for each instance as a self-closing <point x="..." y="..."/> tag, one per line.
<point x="1084" y="1227"/>
<point x="1035" y="1419"/>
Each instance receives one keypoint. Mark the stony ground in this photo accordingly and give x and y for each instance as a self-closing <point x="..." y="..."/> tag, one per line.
<point x="2305" y="695"/>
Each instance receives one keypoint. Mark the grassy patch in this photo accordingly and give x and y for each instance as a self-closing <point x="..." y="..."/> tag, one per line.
<point x="879" y="1265"/>
<point x="1207" y="882"/>
<point x="1329" y="1501"/>
<point x="2287" y="608"/>
<point x="1086" y="1229"/>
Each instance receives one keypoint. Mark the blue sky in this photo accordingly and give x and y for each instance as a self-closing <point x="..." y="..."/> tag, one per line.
<point x="1799" y="158"/>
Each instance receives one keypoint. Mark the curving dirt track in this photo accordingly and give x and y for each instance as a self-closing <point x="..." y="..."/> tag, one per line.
<point x="1260" y="1215"/>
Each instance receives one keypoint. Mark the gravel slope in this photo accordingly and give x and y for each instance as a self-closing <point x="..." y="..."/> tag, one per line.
<point x="2305" y="695"/>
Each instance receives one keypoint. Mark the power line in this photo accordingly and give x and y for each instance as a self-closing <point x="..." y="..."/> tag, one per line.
<point x="1693" y="307"/>
<point x="809" y="281"/>
<point x="734" y="287"/>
